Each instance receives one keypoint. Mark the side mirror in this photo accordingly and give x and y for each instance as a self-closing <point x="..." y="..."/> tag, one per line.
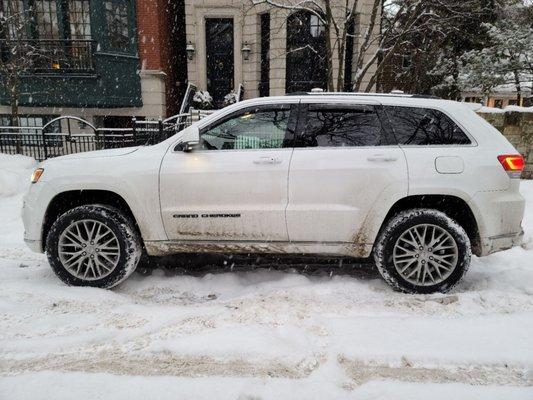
<point x="190" y="139"/>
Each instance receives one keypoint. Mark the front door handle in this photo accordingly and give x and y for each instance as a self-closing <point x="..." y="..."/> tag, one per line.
<point x="267" y="160"/>
<point x="382" y="158"/>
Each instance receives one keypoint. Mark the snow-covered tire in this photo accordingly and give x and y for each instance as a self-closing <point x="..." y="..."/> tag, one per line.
<point x="75" y="232"/>
<point x="391" y="260"/>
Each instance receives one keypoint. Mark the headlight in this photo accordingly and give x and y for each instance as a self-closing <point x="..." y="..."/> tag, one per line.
<point x="36" y="175"/>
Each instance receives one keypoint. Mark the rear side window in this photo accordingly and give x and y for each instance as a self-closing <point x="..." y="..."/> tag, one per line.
<point x="336" y="126"/>
<point x="423" y="126"/>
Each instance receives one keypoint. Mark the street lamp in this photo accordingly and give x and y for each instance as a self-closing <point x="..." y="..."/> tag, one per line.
<point x="190" y="50"/>
<point x="246" y="50"/>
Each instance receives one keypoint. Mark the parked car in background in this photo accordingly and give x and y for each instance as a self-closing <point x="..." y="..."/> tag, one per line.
<point x="416" y="183"/>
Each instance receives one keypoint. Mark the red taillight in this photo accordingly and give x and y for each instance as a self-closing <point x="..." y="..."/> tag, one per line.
<point x="513" y="164"/>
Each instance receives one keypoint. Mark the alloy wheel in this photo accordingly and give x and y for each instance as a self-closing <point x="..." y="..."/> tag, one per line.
<point x="425" y="255"/>
<point x="88" y="249"/>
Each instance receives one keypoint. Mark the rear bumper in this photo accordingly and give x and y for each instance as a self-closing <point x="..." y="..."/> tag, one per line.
<point x="499" y="217"/>
<point x="500" y="242"/>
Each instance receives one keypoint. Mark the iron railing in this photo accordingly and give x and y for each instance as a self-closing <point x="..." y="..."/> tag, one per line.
<point x="53" y="55"/>
<point x="49" y="141"/>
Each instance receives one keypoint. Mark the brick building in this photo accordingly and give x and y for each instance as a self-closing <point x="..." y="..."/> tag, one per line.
<point x="110" y="60"/>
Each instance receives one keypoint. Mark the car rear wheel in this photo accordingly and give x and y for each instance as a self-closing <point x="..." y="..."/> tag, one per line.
<point x="93" y="245"/>
<point x="422" y="251"/>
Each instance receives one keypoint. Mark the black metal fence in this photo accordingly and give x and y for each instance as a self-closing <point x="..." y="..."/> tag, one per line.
<point x="54" y="55"/>
<point x="47" y="141"/>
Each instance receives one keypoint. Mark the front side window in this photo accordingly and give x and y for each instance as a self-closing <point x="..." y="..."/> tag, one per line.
<point x="252" y="129"/>
<point x="117" y="17"/>
<point x="340" y="127"/>
<point x="423" y="126"/>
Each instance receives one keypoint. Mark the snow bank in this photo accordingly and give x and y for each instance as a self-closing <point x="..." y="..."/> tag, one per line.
<point x="494" y="110"/>
<point x="518" y="109"/>
<point x="15" y="173"/>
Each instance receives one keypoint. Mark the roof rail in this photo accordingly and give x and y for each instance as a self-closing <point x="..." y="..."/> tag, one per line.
<point x="413" y="96"/>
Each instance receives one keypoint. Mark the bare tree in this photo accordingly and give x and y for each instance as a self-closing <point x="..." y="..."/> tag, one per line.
<point x="336" y="16"/>
<point x="375" y="41"/>
<point x="17" y="53"/>
<point x="383" y="28"/>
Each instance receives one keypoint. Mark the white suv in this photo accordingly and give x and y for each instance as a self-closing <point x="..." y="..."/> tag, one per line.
<point x="417" y="183"/>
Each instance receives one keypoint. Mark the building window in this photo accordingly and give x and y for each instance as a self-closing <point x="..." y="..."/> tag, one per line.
<point x="79" y="18"/>
<point x="11" y="8"/>
<point x="264" y="85"/>
<point x="112" y="121"/>
<point x="316" y="26"/>
<point x="407" y="60"/>
<point x="117" y="17"/>
<point x="51" y="19"/>
<point x="46" y="21"/>
<point x="30" y="122"/>
<point x="306" y="53"/>
<point x="498" y="103"/>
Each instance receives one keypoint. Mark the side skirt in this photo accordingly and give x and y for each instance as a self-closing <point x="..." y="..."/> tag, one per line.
<point x="163" y="248"/>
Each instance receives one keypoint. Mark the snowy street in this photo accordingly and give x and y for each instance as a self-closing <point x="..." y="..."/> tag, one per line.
<point x="259" y="333"/>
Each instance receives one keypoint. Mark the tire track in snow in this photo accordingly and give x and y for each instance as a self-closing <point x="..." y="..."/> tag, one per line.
<point x="361" y="372"/>
<point x="121" y="363"/>
<point x="358" y="372"/>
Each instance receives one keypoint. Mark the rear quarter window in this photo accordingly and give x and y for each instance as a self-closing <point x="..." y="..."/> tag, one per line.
<point x="424" y="127"/>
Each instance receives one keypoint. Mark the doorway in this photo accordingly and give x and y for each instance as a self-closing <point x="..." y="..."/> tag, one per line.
<point x="219" y="58"/>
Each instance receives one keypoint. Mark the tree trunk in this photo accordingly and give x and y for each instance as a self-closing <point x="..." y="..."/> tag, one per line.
<point x="342" y="54"/>
<point x="14" y="102"/>
<point x="329" y="50"/>
<point x="340" y="75"/>
<point x="486" y="94"/>
<point x="518" y="87"/>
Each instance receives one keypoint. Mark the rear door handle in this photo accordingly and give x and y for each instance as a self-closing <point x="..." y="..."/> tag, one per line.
<point x="382" y="158"/>
<point x="267" y="160"/>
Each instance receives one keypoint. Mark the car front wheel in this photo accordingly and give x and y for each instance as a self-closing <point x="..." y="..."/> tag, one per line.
<point x="422" y="251"/>
<point x="93" y="245"/>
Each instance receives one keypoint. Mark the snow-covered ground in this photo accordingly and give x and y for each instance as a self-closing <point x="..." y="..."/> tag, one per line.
<point x="259" y="334"/>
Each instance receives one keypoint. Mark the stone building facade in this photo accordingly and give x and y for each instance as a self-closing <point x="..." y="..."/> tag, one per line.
<point x="256" y="46"/>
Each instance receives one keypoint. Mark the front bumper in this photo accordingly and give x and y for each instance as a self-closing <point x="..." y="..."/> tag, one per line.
<point x="497" y="243"/>
<point x="34" y="245"/>
<point x="34" y="205"/>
